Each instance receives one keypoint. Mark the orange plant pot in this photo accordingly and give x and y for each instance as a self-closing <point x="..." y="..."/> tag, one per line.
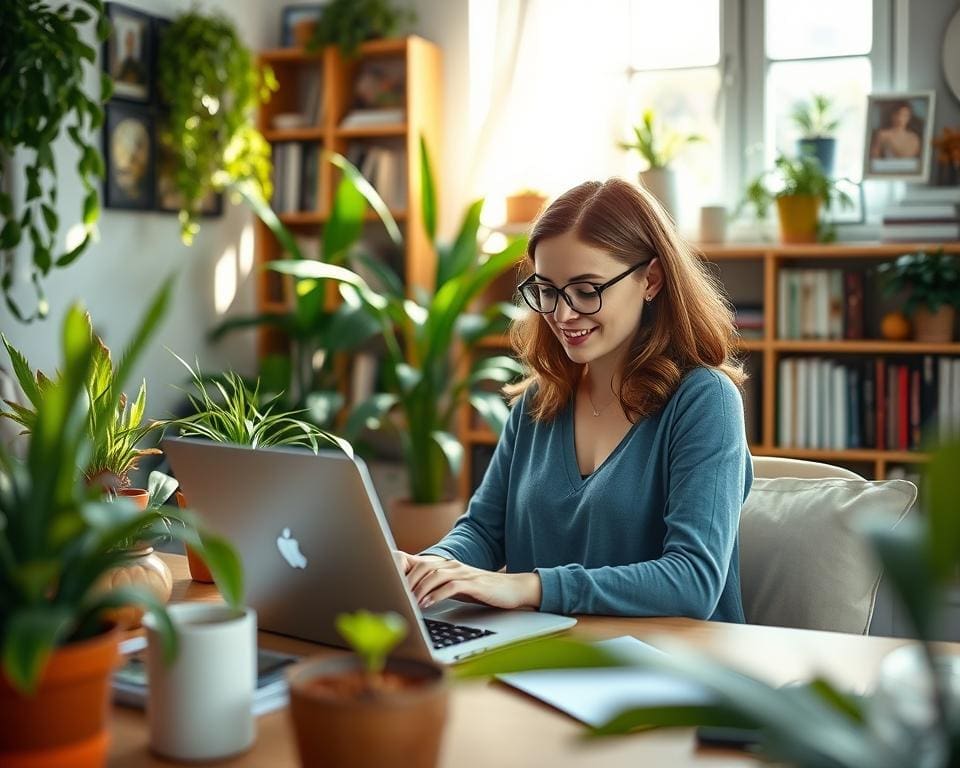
<point x="198" y="569"/>
<point x="799" y="215"/>
<point x="64" y="722"/>
<point x="415" y="527"/>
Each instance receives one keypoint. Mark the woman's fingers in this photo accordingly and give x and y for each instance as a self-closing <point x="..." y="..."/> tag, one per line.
<point x="434" y="578"/>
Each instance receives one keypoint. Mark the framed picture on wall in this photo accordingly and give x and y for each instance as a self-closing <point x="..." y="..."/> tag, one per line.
<point x="297" y="23"/>
<point x="129" y="156"/>
<point x="899" y="133"/>
<point x="128" y="55"/>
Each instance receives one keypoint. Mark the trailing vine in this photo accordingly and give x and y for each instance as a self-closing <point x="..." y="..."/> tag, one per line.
<point x="42" y="91"/>
<point x="209" y="81"/>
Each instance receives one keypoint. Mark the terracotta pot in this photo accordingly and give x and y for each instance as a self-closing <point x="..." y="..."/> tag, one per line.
<point x="799" y="215"/>
<point x="934" y="327"/>
<point x="198" y="568"/>
<point x="138" y="496"/>
<point x="64" y="722"/>
<point x="418" y="526"/>
<point x="303" y="32"/>
<point x="145" y="570"/>
<point x="522" y="209"/>
<point x="371" y="730"/>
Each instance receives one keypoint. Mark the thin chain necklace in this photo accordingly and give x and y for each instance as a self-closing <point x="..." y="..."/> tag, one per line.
<point x="597" y="411"/>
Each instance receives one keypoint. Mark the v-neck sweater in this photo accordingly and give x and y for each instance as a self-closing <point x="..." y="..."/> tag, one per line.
<point x="652" y="531"/>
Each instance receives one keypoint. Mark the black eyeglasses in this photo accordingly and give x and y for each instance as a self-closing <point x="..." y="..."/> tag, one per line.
<point x="582" y="297"/>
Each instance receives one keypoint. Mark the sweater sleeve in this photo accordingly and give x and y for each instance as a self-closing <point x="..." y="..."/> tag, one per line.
<point x="708" y="465"/>
<point x="477" y="538"/>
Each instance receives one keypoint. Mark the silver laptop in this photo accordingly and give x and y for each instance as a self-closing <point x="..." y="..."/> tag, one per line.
<point x="314" y="543"/>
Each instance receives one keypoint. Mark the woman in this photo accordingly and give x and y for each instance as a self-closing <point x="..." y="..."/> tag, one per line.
<point x="898" y="139"/>
<point x="617" y="483"/>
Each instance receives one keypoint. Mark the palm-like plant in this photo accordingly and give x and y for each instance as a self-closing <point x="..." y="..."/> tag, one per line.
<point x="238" y="417"/>
<point x="655" y="143"/>
<point x="815" y="118"/>
<point x="115" y="426"/>
<point x="425" y="383"/>
<point x="799" y="176"/>
<point x="58" y="536"/>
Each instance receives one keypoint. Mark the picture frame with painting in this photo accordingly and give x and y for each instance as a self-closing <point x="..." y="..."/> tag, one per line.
<point x="128" y="55"/>
<point x="129" y="149"/>
<point x="297" y="23"/>
<point x="899" y="132"/>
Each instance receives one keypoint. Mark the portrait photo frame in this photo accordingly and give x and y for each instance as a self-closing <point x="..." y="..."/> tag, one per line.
<point x="899" y="132"/>
<point x="292" y="15"/>
<point x="129" y="154"/>
<point x="128" y="53"/>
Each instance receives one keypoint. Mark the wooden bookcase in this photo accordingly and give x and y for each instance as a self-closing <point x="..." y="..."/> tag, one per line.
<point x="336" y="78"/>
<point x="759" y="266"/>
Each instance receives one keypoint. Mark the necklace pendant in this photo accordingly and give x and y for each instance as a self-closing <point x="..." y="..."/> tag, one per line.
<point x="596" y="412"/>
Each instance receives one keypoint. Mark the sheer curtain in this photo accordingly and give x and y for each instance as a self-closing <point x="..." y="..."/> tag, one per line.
<point x="549" y="95"/>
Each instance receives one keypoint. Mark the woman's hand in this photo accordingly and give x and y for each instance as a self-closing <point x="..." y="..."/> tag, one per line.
<point x="434" y="578"/>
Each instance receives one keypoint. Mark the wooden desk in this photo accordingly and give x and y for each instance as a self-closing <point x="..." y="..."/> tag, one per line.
<point x="492" y="725"/>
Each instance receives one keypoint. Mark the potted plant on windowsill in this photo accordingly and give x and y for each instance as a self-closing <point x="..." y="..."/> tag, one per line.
<point x="658" y="146"/>
<point x="363" y="711"/>
<point x="524" y="206"/>
<point x="932" y="284"/>
<point x="799" y="187"/>
<point x="425" y="383"/>
<point x="817" y="124"/>
<point x="228" y="412"/>
<point x="59" y="536"/>
<point x="348" y="23"/>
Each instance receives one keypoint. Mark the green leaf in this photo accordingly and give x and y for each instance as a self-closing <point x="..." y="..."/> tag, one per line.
<point x="160" y="487"/>
<point x="451" y="447"/>
<point x="50" y="218"/>
<point x="372" y="636"/>
<point x="549" y="653"/>
<point x="10" y="235"/>
<point x="91" y="208"/>
<point x="225" y="567"/>
<point x="428" y="193"/>
<point x="492" y="409"/>
<point x="943" y="510"/>
<point x="31" y="635"/>
<point x="369" y="414"/>
<point x="465" y="251"/>
<point x="345" y="225"/>
<point x="674" y="717"/>
<point x="372" y="196"/>
<point x="121" y="597"/>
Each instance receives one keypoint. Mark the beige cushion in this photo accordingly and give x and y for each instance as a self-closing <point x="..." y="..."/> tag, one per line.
<point x="802" y="561"/>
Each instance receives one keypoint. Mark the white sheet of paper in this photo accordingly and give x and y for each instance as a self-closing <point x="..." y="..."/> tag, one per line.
<point x="594" y="696"/>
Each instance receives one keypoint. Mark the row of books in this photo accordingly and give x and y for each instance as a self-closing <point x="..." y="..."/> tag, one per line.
<point x="748" y="318"/>
<point x="885" y="404"/>
<point x="385" y="168"/>
<point x="821" y="304"/>
<point x="923" y="214"/>
<point x="296" y="183"/>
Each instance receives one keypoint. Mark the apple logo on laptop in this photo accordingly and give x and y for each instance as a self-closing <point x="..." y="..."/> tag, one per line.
<point x="290" y="550"/>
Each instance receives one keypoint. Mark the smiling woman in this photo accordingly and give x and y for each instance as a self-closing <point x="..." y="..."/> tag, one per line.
<point x="617" y="483"/>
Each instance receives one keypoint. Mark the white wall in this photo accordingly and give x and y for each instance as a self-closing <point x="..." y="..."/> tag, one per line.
<point x="115" y="277"/>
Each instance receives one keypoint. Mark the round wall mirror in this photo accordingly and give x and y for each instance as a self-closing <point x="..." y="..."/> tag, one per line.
<point x="951" y="55"/>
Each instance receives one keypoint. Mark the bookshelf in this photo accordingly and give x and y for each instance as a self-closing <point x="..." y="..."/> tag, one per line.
<point x="751" y="274"/>
<point x="322" y="86"/>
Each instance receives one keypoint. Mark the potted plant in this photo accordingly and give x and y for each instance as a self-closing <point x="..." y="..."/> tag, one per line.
<point x="524" y="206"/>
<point x="658" y="146"/>
<point x="39" y="100"/>
<point x="909" y="719"/>
<point x="932" y="284"/>
<point x="347" y="23"/>
<point x="115" y="436"/>
<point x="799" y="187"/>
<point x="58" y="538"/>
<point x="228" y="412"/>
<point x="425" y="385"/>
<point x="816" y="121"/>
<point x="362" y="711"/>
<point x="211" y="85"/>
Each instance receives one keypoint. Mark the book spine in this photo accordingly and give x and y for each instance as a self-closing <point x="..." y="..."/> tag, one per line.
<point x="881" y="403"/>
<point x="853" y="290"/>
<point x="915" y="438"/>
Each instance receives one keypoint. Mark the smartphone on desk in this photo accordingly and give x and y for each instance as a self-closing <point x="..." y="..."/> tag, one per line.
<point x="130" y="683"/>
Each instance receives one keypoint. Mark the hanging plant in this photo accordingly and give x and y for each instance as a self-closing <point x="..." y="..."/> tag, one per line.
<point x="212" y="87"/>
<point x="42" y="91"/>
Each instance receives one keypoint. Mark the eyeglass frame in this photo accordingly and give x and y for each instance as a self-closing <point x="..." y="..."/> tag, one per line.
<point x="561" y="290"/>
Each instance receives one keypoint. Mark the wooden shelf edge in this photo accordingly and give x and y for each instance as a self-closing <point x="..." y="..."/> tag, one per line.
<point x="307" y="133"/>
<point x="866" y="346"/>
<point x="844" y="250"/>
<point x="372" y="131"/>
<point x="862" y="454"/>
<point x="480" y="437"/>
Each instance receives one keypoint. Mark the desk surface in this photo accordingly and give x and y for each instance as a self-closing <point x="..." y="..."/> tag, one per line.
<point x="491" y="724"/>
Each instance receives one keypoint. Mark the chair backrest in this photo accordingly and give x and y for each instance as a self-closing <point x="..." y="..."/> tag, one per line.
<point x="775" y="466"/>
<point x="803" y="562"/>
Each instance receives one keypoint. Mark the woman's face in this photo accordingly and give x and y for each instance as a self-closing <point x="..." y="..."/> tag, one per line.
<point x="606" y="334"/>
<point x="901" y="117"/>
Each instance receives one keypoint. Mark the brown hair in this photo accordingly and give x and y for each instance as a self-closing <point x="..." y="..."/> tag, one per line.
<point x="687" y="325"/>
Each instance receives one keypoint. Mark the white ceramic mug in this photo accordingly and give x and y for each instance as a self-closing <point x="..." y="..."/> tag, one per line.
<point x="199" y="707"/>
<point x="713" y="224"/>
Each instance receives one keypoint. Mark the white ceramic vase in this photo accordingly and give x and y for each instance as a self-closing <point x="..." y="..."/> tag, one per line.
<point x="662" y="184"/>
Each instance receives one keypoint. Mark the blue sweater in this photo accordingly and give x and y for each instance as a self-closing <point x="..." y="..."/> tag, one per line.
<point x="653" y="531"/>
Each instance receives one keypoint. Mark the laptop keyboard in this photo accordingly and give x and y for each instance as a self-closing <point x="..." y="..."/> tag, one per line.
<point x="443" y="634"/>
